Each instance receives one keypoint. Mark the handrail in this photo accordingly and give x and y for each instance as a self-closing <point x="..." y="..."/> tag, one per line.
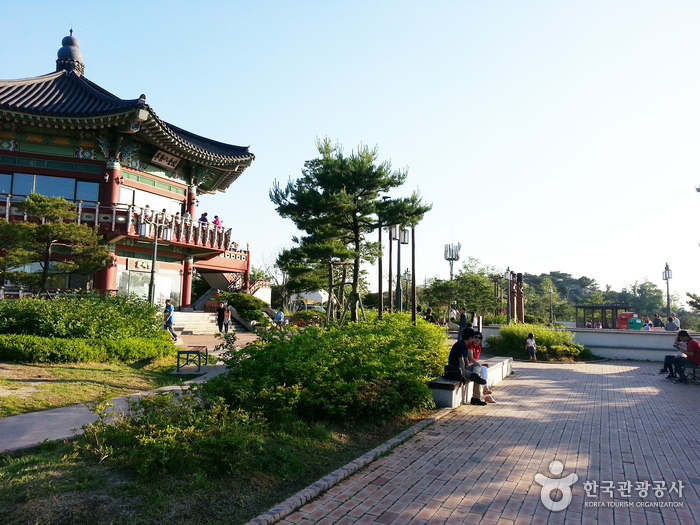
<point x="119" y="217"/>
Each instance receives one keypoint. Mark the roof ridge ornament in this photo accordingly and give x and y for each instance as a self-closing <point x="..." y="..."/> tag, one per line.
<point x="69" y="56"/>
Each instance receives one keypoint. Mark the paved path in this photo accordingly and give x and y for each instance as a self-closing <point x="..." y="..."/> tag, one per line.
<point x="27" y="430"/>
<point x="615" y="422"/>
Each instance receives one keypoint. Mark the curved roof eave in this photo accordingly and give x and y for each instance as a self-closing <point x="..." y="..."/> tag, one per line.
<point x="200" y="149"/>
<point x="67" y="99"/>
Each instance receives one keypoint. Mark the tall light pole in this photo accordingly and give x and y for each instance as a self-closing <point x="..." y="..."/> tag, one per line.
<point x="413" y="270"/>
<point x="392" y="236"/>
<point x="407" y="277"/>
<point x="666" y="277"/>
<point x="158" y="225"/>
<point x="381" y="273"/>
<point x="402" y="239"/>
<point x="551" y="311"/>
<point x="509" y="278"/>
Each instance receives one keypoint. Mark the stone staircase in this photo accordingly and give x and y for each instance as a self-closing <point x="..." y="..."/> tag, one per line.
<point x="201" y="323"/>
<point x="195" y="323"/>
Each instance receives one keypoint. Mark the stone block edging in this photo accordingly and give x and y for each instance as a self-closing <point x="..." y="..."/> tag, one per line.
<point x="301" y="498"/>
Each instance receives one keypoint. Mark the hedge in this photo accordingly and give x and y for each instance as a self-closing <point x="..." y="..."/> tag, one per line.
<point x="22" y="348"/>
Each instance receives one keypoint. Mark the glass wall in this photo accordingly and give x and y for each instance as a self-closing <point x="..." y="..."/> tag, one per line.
<point x="22" y="184"/>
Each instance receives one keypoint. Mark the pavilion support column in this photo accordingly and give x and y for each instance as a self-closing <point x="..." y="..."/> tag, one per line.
<point x="105" y="280"/>
<point x="186" y="293"/>
<point x="192" y="202"/>
<point x="111" y="191"/>
<point x="246" y="280"/>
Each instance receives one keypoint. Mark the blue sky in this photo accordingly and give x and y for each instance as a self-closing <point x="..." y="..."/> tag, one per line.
<point x="548" y="135"/>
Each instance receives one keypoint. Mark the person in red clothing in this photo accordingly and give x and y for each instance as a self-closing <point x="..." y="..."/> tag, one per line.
<point x="475" y="347"/>
<point x="693" y="353"/>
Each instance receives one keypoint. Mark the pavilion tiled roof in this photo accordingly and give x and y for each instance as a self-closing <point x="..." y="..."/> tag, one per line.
<point x="66" y="99"/>
<point x="64" y="95"/>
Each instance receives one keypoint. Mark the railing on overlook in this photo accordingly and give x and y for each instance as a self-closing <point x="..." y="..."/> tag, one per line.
<point x="136" y="221"/>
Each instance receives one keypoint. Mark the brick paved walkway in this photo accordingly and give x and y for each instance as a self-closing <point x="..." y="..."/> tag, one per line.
<point x="616" y="421"/>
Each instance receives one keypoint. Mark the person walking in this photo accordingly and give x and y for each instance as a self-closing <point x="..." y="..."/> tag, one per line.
<point x="279" y="318"/>
<point x="531" y="347"/>
<point x="462" y="323"/>
<point x="168" y="318"/>
<point x="227" y="318"/>
<point x="220" y="315"/>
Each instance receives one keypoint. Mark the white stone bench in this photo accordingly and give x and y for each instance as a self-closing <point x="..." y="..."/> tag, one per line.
<point x="449" y="394"/>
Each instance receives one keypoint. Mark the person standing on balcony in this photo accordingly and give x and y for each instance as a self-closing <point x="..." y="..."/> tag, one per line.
<point x="204" y="217"/>
<point x="168" y="319"/>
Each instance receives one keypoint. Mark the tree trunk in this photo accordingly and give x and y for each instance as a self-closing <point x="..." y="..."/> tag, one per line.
<point x="45" y="269"/>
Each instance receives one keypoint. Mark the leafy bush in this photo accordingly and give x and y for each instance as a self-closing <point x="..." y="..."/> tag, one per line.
<point x="371" y="370"/>
<point x="495" y="319"/>
<point x="308" y="317"/>
<point x="551" y="344"/>
<point x="176" y="435"/>
<point x="35" y="349"/>
<point x="89" y="317"/>
<point x="249" y="307"/>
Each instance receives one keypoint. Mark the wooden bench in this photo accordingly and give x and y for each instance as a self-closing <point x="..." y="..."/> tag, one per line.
<point x="450" y="394"/>
<point x="193" y="355"/>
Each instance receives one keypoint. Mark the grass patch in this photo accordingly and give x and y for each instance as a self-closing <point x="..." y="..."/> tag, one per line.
<point x="53" y="485"/>
<point x="32" y="387"/>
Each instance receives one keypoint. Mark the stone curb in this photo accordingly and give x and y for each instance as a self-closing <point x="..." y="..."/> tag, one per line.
<point x="301" y="498"/>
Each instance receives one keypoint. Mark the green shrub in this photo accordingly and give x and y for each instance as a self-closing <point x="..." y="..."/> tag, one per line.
<point x="249" y="307"/>
<point x="34" y="349"/>
<point x="370" y="370"/>
<point x="133" y="349"/>
<point x="177" y="435"/>
<point x="21" y="348"/>
<point x="88" y="317"/>
<point x="308" y="317"/>
<point x="552" y="344"/>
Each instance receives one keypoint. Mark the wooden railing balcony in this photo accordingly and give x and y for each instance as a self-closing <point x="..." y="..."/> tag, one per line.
<point x="134" y="221"/>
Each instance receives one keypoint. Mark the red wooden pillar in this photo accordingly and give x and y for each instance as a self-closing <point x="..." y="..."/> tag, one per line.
<point x="106" y="279"/>
<point x="246" y="281"/>
<point x="186" y="295"/>
<point x="192" y="202"/>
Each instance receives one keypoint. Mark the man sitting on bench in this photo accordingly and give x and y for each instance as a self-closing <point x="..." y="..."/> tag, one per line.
<point x="693" y="353"/>
<point x="461" y="355"/>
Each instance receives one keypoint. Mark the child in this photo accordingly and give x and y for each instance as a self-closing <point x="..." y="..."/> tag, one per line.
<point x="531" y="348"/>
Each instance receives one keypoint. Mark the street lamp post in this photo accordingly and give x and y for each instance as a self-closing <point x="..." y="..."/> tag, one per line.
<point x="413" y="269"/>
<point x="402" y="239"/>
<point x="407" y="277"/>
<point x="551" y="311"/>
<point x="509" y="278"/>
<point x="392" y="236"/>
<point x="667" y="277"/>
<point x="381" y="274"/>
<point x="158" y="227"/>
